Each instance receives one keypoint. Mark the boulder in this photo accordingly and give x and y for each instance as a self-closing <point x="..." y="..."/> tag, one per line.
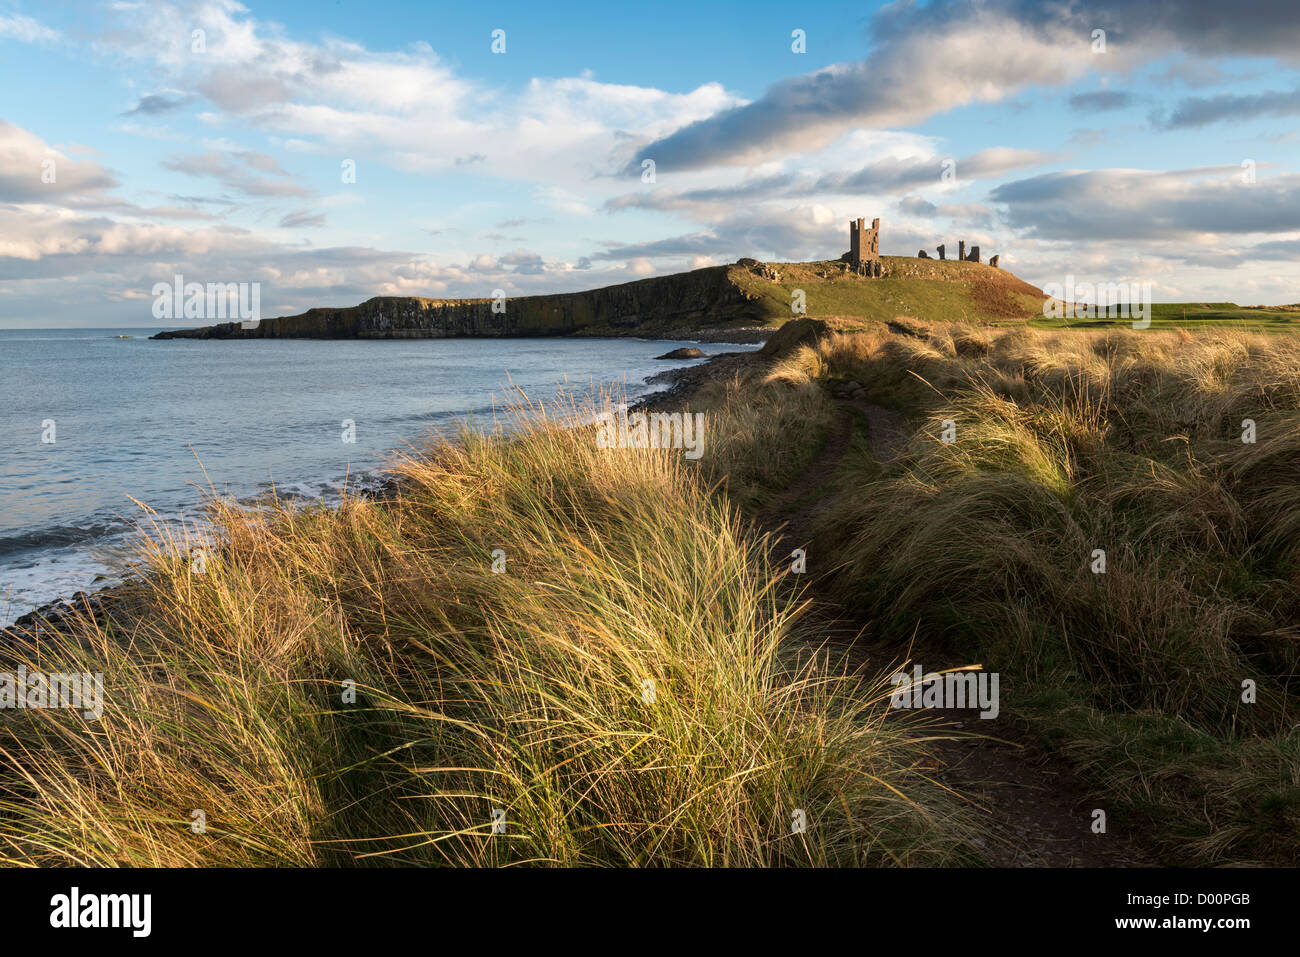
<point x="792" y="335"/>
<point x="686" y="352"/>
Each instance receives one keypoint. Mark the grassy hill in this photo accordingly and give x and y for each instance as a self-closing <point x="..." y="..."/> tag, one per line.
<point x="926" y="289"/>
<point x="746" y="294"/>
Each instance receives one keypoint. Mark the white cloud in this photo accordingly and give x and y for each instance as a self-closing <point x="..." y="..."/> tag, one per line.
<point x="408" y="109"/>
<point x="26" y="30"/>
<point x="33" y="171"/>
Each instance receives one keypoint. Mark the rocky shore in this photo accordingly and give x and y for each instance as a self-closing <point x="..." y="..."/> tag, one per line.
<point x="680" y="384"/>
<point x="100" y="605"/>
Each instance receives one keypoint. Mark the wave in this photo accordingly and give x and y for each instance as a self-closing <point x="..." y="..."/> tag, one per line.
<point x="59" y="536"/>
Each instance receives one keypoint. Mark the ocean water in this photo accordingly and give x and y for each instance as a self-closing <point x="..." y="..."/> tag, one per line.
<point x="159" y="421"/>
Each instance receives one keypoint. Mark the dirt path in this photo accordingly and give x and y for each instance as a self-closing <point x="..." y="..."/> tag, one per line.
<point x="790" y="521"/>
<point x="1037" y="815"/>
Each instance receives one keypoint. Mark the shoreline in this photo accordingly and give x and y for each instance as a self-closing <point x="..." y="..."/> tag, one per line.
<point x="680" y="384"/>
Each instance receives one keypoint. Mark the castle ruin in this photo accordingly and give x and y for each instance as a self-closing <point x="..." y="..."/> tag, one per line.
<point x="972" y="257"/>
<point x="863" y="256"/>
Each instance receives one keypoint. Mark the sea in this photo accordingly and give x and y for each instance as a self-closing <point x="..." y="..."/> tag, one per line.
<point x="97" y="424"/>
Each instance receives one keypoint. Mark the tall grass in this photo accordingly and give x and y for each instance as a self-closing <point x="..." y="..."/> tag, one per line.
<point x="765" y="433"/>
<point x="360" y="686"/>
<point x="1071" y="442"/>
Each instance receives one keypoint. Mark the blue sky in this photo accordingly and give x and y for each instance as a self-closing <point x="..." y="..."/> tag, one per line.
<point x="222" y="160"/>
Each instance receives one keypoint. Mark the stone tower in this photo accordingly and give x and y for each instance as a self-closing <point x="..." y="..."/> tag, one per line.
<point x="864" y="247"/>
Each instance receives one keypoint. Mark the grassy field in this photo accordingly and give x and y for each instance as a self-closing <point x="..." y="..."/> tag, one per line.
<point x="1192" y="315"/>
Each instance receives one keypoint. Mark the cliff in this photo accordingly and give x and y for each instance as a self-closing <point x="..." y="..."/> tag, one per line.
<point x="744" y="294"/>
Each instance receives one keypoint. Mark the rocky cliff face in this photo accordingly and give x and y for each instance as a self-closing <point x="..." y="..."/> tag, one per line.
<point x="701" y="297"/>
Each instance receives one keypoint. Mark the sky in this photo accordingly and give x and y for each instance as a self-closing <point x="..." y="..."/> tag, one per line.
<point x="335" y="150"/>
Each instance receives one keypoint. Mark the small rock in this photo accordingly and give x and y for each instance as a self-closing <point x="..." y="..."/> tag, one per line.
<point x="686" y="352"/>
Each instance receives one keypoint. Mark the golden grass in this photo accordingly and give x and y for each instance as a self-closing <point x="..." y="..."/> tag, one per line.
<point x="629" y="691"/>
<point x="1067" y="442"/>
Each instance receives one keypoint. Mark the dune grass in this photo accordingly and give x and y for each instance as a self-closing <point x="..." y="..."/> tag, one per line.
<point x="359" y="686"/>
<point x="766" y="436"/>
<point x="638" y="687"/>
<point x="1067" y="445"/>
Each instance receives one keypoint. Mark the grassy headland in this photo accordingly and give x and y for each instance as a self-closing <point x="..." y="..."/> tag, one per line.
<point x="717" y="301"/>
